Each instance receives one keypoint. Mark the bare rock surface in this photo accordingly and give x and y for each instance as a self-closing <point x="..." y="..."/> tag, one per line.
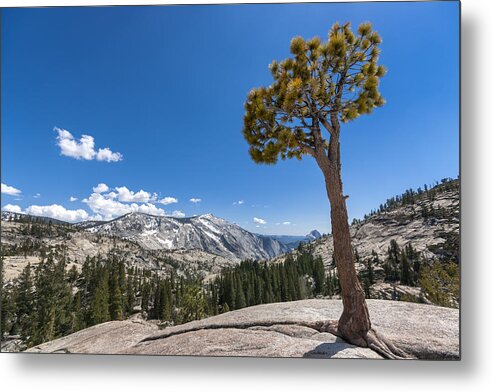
<point x="274" y="330"/>
<point x="391" y="291"/>
<point x="106" y="338"/>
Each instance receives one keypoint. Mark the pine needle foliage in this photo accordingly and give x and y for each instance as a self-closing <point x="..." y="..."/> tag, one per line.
<point x="323" y="82"/>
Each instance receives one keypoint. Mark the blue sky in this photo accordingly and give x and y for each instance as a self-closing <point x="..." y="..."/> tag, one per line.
<point x="159" y="91"/>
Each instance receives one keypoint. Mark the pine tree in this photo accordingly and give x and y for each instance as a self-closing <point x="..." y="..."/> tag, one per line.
<point x="130" y="295"/>
<point x="318" y="276"/>
<point x="122" y="281"/>
<point x="77" y="313"/>
<point x="101" y="302"/>
<point x="116" y="299"/>
<point x="193" y="303"/>
<point x="145" y="298"/>
<point x="24" y="305"/>
<point x="391" y="266"/>
<point x="370" y="268"/>
<point x="322" y="85"/>
<point x="405" y="274"/>
<point x="166" y="301"/>
<point x="229" y="291"/>
<point x="329" y="285"/>
<point x="240" y="300"/>
<point x="7" y="305"/>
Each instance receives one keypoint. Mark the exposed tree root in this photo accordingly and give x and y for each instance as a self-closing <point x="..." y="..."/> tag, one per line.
<point x="370" y="339"/>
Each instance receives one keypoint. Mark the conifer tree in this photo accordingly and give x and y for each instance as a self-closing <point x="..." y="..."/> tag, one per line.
<point x="130" y="295"/>
<point x="370" y="269"/>
<point x="77" y="313"/>
<point x="329" y="285"/>
<point x="319" y="276"/>
<point x="321" y="86"/>
<point x="392" y="264"/>
<point x="25" y="302"/>
<point x="229" y="291"/>
<point x="240" y="300"/>
<point x="193" y="303"/>
<point x="405" y="274"/>
<point x="116" y="299"/>
<point x="166" y="301"/>
<point x="101" y="302"/>
<point x="146" y="296"/>
<point x="7" y="305"/>
<point x="122" y="281"/>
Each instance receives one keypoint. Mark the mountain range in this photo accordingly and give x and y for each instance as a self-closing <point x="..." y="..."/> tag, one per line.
<point x="206" y="233"/>
<point x="429" y="220"/>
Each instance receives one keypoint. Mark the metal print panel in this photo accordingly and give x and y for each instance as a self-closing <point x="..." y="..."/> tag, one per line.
<point x="269" y="180"/>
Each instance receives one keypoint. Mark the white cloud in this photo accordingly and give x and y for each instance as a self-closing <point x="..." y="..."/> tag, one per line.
<point x="168" y="200"/>
<point x="259" y="221"/>
<point x="58" y="212"/>
<point x="70" y="147"/>
<point x="84" y="148"/>
<point x="105" y="154"/>
<point x="147" y="208"/>
<point x="178" y="214"/>
<point x="126" y="195"/>
<point x="286" y="223"/>
<point x="102" y="204"/>
<point x="37" y="195"/>
<point x="101" y="188"/>
<point x="195" y="200"/>
<point x="111" y="195"/>
<point x="12" y="208"/>
<point x="239" y="202"/>
<point x="108" y="208"/>
<point x="10" y="190"/>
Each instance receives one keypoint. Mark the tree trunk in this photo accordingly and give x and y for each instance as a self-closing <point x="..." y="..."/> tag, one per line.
<point x="354" y="323"/>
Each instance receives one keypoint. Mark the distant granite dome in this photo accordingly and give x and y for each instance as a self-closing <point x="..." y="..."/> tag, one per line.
<point x="313" y="235"/>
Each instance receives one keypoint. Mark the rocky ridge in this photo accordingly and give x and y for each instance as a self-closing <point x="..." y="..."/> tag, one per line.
<point x="78" y="245"/>
<point x="407" y="224"/>
<point x="203" y="232"/>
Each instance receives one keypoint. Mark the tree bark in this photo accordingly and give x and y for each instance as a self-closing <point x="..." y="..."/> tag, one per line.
<point x="354" y="323"/>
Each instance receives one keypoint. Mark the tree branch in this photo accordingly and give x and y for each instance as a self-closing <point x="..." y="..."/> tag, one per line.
<point x="327" y="125"/>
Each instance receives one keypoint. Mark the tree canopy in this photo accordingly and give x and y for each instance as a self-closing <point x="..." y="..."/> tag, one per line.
<point x="321" y="84"/>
